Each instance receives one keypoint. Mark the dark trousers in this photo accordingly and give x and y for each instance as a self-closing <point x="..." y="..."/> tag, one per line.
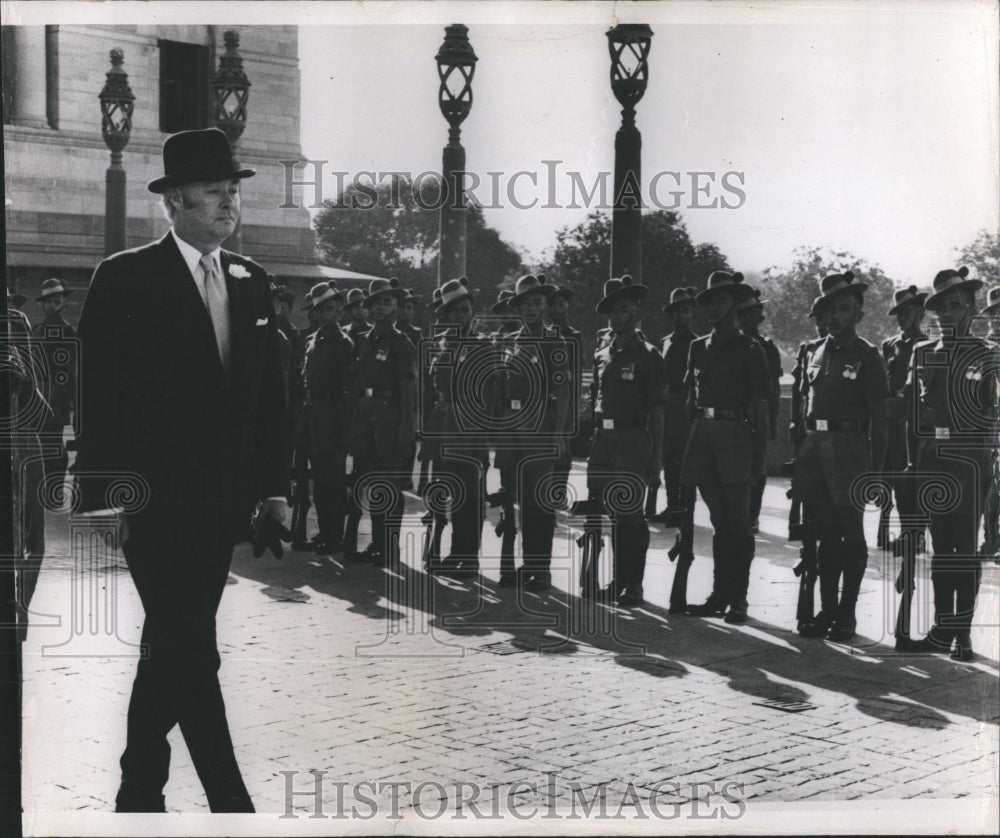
<point x="54" y="464"/>
<point x="841" y="558"/>
<point x="538" y="515"/>
<point x="757" y="497"/>
<point x="179" y="561"/>
<point x="732" y="545"/>
<point x="330" y="494"/>
<point x="465" y="467"/>
<point x="956" y="572"/>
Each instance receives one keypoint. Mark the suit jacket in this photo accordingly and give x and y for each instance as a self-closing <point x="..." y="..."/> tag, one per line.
<point x="155" y="399"/>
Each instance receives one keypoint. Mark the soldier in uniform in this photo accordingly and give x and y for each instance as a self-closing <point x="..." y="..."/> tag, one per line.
<point x="954" y="382"/>
<point x="991" y="506"/>
<point x="897" y="352"/>
<point x="59" y="385"/>
<point x="326" y="372"/>
<point x="454" y="414"/>
<point x="627" y="399"/>
<point x="558" y="312"/>
<point x="536" y="399"/>
<point x="727" y="382"/>
<point x="355" y="310"/>
<point x="844" y="397"/>
<point x="414" y="334"/>
<point x="385" y="416"/>
<point x="750" y="317"/>
<point x="674" y="349"/>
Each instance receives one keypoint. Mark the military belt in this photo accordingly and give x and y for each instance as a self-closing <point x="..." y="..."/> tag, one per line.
<point x="835" y="424"/>
<point x="369" y="393"/>
<point x="720" y="413"/>
<point x="632" y="424"/>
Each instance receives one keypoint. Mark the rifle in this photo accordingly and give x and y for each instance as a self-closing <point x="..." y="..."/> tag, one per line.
<point x="905" y="547"/>
<point x="885" y="511"/>
<point x="652" y="490"/>
<point x="434" y="524"/>
<point x="591" y="541"/>
<point x="300" y="499"/>
<point x="353" y="519"/>
<point x="682" y="550"/>
<point x="506" y="529"/>
<point x="801" y="528"/>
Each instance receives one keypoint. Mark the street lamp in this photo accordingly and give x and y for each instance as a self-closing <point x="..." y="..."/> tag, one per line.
<point x="231" y="89"/>
<point x="456" y="63"/>
<point x="628" y="44"/>
<point x="117" y="101"/>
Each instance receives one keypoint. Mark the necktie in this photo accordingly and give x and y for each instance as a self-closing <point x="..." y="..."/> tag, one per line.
<point x="218" y="308"/>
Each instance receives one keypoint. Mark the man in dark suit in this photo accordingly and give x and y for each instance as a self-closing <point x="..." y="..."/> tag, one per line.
<point x="182" y="398"/>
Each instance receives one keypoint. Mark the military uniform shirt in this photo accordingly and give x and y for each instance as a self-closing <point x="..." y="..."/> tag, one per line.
<point x="385" y="361"/>
<point x="844" y="381"/>
<point x="329" y="355"/>
<point x="897" y="351"/>
<point x="727" y="373"/>
<point x="674" y="349"/>
<point x="630" y="379"/>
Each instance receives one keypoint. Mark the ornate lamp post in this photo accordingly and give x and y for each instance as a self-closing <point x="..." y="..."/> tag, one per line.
<point x="117" y="102"/>
<point x="456" y="64"/>
<point x="231" y="89"/>
<point x="628" y="44"/>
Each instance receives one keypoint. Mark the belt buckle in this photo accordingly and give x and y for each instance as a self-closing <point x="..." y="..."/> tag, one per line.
<point x="709" y="412"/>
<point x="942" y="433"/>
<point x="608" y="424"/>
<point x="369" y="393"/>
<point x="822" y="425"/>
<point x="515" y="404"/>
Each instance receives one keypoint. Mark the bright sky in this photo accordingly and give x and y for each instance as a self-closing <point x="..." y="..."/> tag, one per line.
<point x="871" y="127"/>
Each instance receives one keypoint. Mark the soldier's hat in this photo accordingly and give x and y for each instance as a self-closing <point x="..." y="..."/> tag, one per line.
<point x="453" y="291"/>
<point x="835" y="285"/>
<point x="323" y="291"/>
<point x="354" y="296"/>
<point x="680" y="296"/>
<point x="753" y="301"/>
<point x="948" y="280"/>
<point x="410" y="297"/>
<point x="620" y="289"/>
<point x="992" y="300"/>
<point x="16" y="299"/>
<point x="532" y="284"/>
<point x="380" y="287"/>
<point x="563" y="291"/>
<point x="51" y="287"/>
<point x="907" y="297"/>
<point x="192" y="156"/>
<point x="502" y="305"/>
<point x="724" y="281"/>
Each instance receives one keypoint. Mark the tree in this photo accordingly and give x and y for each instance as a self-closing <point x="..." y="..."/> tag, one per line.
<point x="790" y="293"/>
<point x="983" y="256"/>
<point x="384" y="230"/>
<point x="582" y="261"/>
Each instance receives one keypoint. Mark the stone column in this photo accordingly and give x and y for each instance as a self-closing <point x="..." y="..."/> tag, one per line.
<point x="30" y="99"/>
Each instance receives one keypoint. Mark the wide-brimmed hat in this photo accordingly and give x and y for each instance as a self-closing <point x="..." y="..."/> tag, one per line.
<point x="502" y="305"/>
<point x="354" y="296"/>
<point x="836" y="285"/>
<point x="196" y="156"/>
<point x="380" y="287"/>
<point x="992" y="300"/>
<point x="454" y="290"/>
<point x="411" y="297"/>
<point x="907" y="297"/>
<point x="16" y="299"/>
<point x="680" y="296"/>
<point x="949" y="280"/>
<point x="719" y="281"/>
<point x="323" y="291"/>
<point x="563" y="291"/>
<point x="532" y="284"/>
<point x="280" y="291"/>
<point x="753" y="301"/>
<point x="51" y="287"/>
<point x="620" y="289"/>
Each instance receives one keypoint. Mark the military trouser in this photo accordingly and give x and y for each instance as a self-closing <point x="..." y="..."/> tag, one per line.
<point x="841" y="553"/>
<point x="465" y="466"/>
<point x="330" y="494"/>
<point x="622" y="456"/>
<point x="538" y="516"/>
<point x="733" y="543"/>
<point x="956" y="572"/>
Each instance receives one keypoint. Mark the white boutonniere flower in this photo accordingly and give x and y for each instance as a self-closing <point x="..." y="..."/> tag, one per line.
<point x="237" y="271"/>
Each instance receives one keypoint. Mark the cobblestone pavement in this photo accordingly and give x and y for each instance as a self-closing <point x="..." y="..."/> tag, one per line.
<point x="543" y="702"/>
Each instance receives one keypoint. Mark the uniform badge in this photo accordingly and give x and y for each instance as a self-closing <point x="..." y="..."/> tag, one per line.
<point x="628" y="372"/>
<point x="381" y="355"/>
<point x="851" y="372"/>
<point x="973" y="374"/>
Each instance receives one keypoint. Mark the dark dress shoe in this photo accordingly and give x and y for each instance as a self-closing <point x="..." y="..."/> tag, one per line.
<point x="630" y="597"/>
<point x="736" y="616"/>
<point x="508" y="580"/>
<point x="709" y="608"/>
<point x="678" y="608"/>
<point x="962" y="652"/>
<point x="925" y="646"/>
<point x="842" y="632"/>
<point x="537" y="583"/>
<point x="817" y="627"/>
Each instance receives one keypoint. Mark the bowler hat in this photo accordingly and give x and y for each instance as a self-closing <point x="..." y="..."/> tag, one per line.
<point x="907" y="297"/>
<point x="532" y="284"/>
<point x="949" y="280"/>
<point x="992" y="300"/>
<point x="196" y="156"/>
<point x="719" y="281"/>
<point x="680" y="296"/>
<point x="379" y="287"/>
<point x="51" y="287"/>
<point x="620" y="289"/>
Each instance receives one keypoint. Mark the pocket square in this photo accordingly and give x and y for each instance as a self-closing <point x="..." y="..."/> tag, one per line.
<point x="261" y="321"/>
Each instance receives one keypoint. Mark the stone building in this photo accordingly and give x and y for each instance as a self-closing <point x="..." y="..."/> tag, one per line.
<point x="56" y="159"/>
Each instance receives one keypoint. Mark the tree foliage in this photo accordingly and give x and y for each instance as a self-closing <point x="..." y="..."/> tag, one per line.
<point x="582" y="262"/>
<point x="790" y="293"/>
<point x="384" y="230"/>
<point x="982" y="255"/>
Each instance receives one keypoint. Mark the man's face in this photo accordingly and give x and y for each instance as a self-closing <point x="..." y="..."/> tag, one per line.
<point x="327" y="312"/>
<point x="406" y="312"/>
<point x="53" y="305"/>
<point x="622" y="315"/>
<point x="719" y="306"/>
<point x="384" y="307"/>
<point x="558" y="308"/>
<point x="682" y="316"/>
<point x="955" y="309"/>
<point x="532" y="307"/>
<point x="459" y="313"/>
<point x="844" y="313"/>
<point x="359" y="313"/>
<point x="751" y="318"/>
<point x="208" y="212"/>
<point x="281" y="307"/>
<point x="908" y="317"/>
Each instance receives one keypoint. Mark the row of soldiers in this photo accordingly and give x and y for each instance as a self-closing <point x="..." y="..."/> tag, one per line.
<point x="701" y="410"/>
